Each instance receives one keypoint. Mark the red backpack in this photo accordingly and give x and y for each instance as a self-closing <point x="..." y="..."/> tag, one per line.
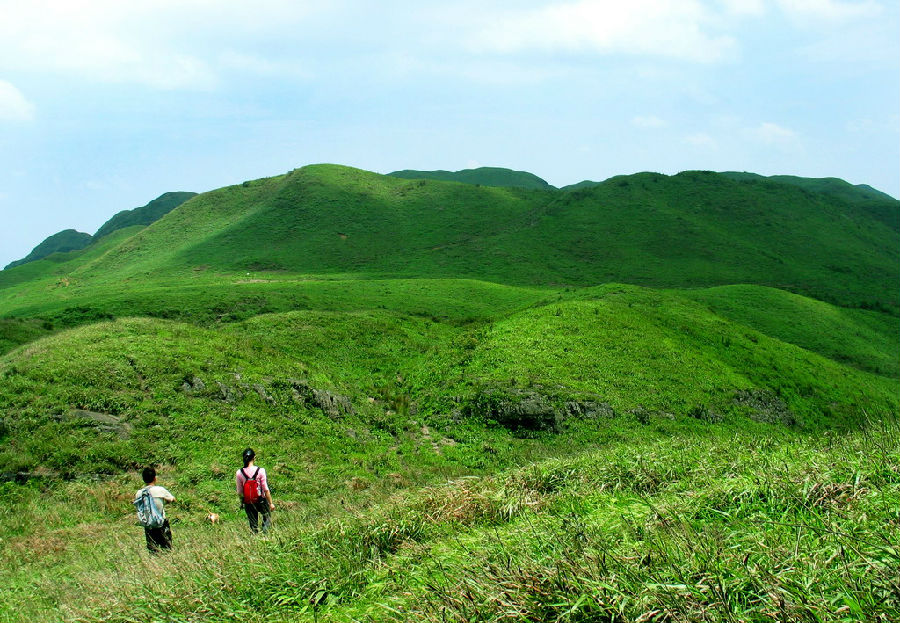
<point x="252" y="492"/>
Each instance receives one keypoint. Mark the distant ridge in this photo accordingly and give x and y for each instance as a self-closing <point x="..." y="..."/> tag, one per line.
<point x="60" y="242"/>
<point x="878" y="204"/>
<point x="71" y="240"/>
<point x="483" y="176"/>
<point x="694" y="229"/>
<point x="828" y="185"/>
<point x="145" y="215"/>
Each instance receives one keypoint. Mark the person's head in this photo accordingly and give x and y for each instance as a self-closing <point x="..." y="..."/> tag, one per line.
<point x="149" y="475"/>
<point x="248" y="456"/>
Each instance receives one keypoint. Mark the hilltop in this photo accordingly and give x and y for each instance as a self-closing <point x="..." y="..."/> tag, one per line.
<point x="60" y="242"/>
<point x="145" y="215"/>
<point x="482" y="176"/>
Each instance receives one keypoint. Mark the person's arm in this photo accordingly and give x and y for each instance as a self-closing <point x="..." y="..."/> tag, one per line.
<point x="238" y="484"/>
<point x="264" y="481"/>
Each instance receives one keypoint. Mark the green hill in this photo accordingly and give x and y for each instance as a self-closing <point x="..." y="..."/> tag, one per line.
<point x="617" y="408"/>
<point x="71" y="240"/>
<point x="144" y="215"/>
<point x="689" y="230"/>
<point x="61" y="242"/>
<point x="482" y="176"/>
<point x="653" y="398"/>
<point x="880" y="205"/>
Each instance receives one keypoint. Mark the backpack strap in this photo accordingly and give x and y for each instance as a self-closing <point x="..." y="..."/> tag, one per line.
<point x="246" y="477"/>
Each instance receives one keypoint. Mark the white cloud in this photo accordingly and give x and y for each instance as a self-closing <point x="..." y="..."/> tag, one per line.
<point x="830" y="10"/>
<point x="745" y="7"/>
<point x="772" y="134"/>
<point x="13" y="105"/>
<point x="702" y="140"/>
<point x="649" y="121"/>
<point x="165" y="44"/>
<point x="679" y="29"/>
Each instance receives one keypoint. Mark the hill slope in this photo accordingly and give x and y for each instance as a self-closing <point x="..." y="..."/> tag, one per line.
<point x="880" y="205"/>
<point x="144" y="215"/>
<point x="688" y="230"/>
<point x="60" y="242"/>
<point x="71" y="240"/>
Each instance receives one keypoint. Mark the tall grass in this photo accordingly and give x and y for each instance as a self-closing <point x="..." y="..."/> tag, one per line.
<point x="714" y="527"/>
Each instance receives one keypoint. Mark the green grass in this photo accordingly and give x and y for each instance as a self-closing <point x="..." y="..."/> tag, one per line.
<point x="144" y="215"/>
<point x="862" y="338"/>
<point x="719" y="526"/>
<point x="61" y="242"/>
<point x="644" y="353"/>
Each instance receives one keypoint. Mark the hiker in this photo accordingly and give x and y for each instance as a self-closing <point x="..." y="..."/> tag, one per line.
<point x="253" y="492"/>
<point x="152" y="512"/>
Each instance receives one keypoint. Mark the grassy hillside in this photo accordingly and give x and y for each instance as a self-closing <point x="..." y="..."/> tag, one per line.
<point x="61" y="242"/>
<point x="483" y="176"/>
<point x="616" y="352"/>
<point x="689" y="230"/>
<point x="656" y="398"/>
<point x="861" y="338"/>
<point x="880" y="205"/>
<point x="144" y="215"/>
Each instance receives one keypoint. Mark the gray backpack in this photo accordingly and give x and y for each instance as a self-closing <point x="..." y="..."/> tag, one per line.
<point x="148" y="512"/>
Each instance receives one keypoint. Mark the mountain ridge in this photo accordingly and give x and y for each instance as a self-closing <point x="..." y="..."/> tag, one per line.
<point x="695" y="228"/>
<point x="70" y="240"/>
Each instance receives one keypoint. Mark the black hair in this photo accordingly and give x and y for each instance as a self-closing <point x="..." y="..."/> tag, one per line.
<point x="248" y="455"/>
<point x="149" y="475"/>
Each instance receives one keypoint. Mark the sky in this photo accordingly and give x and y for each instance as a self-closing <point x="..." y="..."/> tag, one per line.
<point x="105" y="104"/>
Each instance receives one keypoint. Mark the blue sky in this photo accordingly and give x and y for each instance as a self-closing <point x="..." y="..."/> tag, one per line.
<point x="105" y="105"/>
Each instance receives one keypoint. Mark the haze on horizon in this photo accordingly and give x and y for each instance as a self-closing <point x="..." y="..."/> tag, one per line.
<point x="106" y="105"/>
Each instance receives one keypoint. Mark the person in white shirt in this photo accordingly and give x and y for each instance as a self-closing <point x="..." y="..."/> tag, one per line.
<point x="157" y="538"/>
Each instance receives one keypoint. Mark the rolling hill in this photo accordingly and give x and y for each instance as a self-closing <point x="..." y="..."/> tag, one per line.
<point x="652" y="398"/>
<point x="71" y="240"/>
<point x="694" y="229"/>
<point x="144" y="215"/>
<point x="61" y="242"/>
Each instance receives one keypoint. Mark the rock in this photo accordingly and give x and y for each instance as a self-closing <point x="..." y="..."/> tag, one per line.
<point x="765" y="406"/>
<point x="228" y="394"/>
<point x="704" y="413"/>
<point x="590" y="410"/>
<point x="641" y="414"/>
<point x="517" y="409"/>
<point x="103" y="422"/>
<point x="193" y="385"/>
<point x="334" y="405"/>
<point x="261" y="390"/>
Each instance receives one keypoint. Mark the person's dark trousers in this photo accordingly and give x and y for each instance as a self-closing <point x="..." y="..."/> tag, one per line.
<point x="159" y="538"/>
<point x="254" y="511"/>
